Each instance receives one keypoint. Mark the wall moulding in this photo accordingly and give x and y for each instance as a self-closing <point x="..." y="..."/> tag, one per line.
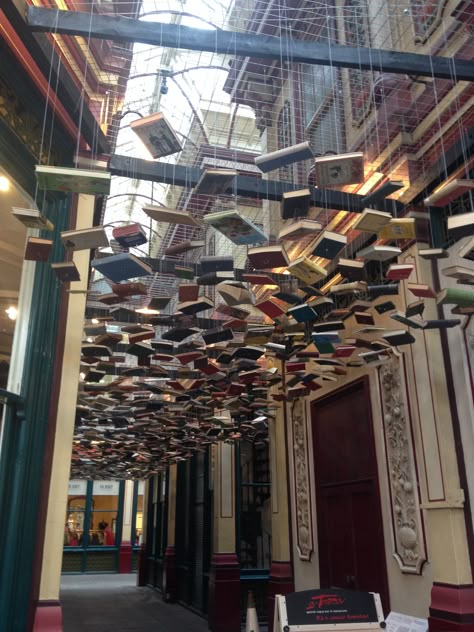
<point x="408" y="533"/>
<point x="304" y="526"/>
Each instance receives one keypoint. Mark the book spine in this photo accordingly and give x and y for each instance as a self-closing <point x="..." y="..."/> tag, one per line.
<point x="455" y="296"/>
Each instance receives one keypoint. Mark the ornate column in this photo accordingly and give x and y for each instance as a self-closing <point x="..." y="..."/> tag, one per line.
<point x="281" y="572"/>
<point x="125" y="551"/>
<point x="170" y="587"/>
<point x="433" y="406"/>
<point x="224" y="580"/>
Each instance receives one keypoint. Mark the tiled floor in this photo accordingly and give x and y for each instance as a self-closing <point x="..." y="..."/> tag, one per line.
<point x="113" y="603"/>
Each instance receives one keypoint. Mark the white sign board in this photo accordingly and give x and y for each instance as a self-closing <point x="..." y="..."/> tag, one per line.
<point x="106" y="488"/>
<point x="321" y="610"/>
<point x="77" y="488"/>
<point x="397" y="622"/>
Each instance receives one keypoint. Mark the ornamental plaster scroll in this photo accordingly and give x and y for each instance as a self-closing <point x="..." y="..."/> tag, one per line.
<point x="304" y="527"/>
<point x="427" y="16"/>
<point x="407" y="523"/>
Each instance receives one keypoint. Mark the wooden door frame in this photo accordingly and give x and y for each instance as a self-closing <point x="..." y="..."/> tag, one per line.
<point x="364" y="383"/>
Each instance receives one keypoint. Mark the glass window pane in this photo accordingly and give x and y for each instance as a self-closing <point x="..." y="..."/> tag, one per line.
<point x="75" y="513"/>
<point x="103" y="523"/>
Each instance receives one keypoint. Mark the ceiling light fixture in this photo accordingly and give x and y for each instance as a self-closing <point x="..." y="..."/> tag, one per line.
<point x="12" y="312"/>
<point x="4" y="183"/>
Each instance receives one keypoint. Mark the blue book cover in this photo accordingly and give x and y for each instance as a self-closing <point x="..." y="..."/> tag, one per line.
<point x="329" y="337"/>
<point x="302" y="313"/>
<point x="121" y="267"/>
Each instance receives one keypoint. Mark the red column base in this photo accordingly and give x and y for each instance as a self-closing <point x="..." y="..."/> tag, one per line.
<point x="125" y="557"/>
<point x="48" y="617"/>
<point x="142" y="567"/>
<point x="280" y="582"/>
<point x="170" y="577"/>
<point x="224" y="593"/>
<point x="451" y="608"/>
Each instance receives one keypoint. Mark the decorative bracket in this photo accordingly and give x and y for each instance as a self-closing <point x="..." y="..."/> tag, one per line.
<point x="406" y="516"/>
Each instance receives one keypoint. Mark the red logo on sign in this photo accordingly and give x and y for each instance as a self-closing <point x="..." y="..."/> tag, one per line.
<point x="325" y="600"/>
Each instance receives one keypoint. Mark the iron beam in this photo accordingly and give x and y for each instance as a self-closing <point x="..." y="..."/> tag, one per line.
<point x="246" y="186"/>
<point x="247" y="44"/>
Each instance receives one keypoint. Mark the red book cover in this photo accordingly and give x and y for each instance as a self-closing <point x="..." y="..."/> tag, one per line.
<point x="129" y="289"/>
<point x="142" y="335"/>
<point x="188" y="292"/>
<point x="130" y="235"/>
<point x="293" y="367"/>
<point x="344" y="351"/>
<point x="268" y="257"/>
<point x="186" y="358"/>
<point x="421" y="291"/>
<point x="399" y="272"/>
<point x="271" y="308"/>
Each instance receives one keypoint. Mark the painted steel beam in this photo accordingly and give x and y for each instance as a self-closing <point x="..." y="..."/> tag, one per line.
<point x="247" y="44"/>
<point x="246" y="186"/>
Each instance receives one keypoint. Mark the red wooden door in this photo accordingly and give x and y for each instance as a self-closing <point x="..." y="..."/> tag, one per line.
<point x="350" y="535"/>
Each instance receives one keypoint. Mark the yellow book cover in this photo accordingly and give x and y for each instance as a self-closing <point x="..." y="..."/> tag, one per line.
<point x="399" y="228"/>
<point x="306" y="270"/>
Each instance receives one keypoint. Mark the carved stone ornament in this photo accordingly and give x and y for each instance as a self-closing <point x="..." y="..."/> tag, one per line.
<point x="408" y="534"/>
<point x="427" y="16"/>
<point x="304" y="528"/>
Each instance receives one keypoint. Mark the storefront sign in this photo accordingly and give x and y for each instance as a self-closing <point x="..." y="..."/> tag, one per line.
<point x="77" y="488"/>
<point x="106" y="488"/>
<point x="324" y="609"/>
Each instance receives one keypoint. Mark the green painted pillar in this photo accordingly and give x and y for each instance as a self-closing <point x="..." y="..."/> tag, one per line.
<point x="23" y="446"/>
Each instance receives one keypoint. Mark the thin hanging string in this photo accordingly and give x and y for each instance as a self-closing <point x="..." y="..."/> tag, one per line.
<point x="84" y="80"/>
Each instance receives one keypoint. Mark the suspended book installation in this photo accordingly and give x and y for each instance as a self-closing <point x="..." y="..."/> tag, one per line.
<point x="157" y="135"/>
<point x="268" y="257"/>
<point x="130" y="235"/>
<point x="237" y="228"/>
<point x="329" y="244"/>
<point x="351" y="269"/>
<point x="449" y="192"/>
<point x="184" y="246"/>
<point x="68" y="180"/>
<point x="399" y="228"/>
<point x="216" y="182"/>
<point x="299" y="229"/>
<point x="121" y="267"/>
<point x="379" y="253"/>
<point x="66" y="271"/>
<point x="306" y="270"/>
<point x="460" y="226"/>
<point x="170" y="215"/>
<point x="37" y="249"/>
<point x="372" y="221"/>
<point x="85" y="238"/>
<point x="284" y="157"/>
<point x="295" y="203"/>
<point x="339" y="169"/>
<point x="32" y="218"/>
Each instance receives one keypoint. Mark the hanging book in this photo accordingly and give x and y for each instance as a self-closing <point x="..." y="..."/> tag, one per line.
<point x="258" y="279"/>
<point x="268" y="257"/>
<point x="398" y="338"/>
<point x="188" y="292"/>
<point x="352" y="270"/>
<point x="340" y="169"/>
<point x="306" y="270"/>
<point x="449" y="192"/>
<point x="460" y="226"/>
<point x="170" y="215"/>
<point x="399" y="271"/>
<point x="194" y="307"/>
<point x="32" y="218"/>
<point x="157" y="135"/>
<point x="433" y="253"/>
<point x="184" y="246"/>
<point x="467" y="251"/>
<point x="121" y="267"/>
<point x="302" y="313"/>
<point x="295" y="203"/>
<point x="399" y="228"/>
<point x="284" y="157"/>
<point x="37" y="249"/>
<point x="379" y="253"/>
<point x="461" y="273"/>
<point x="456" y="296"/>
<point x="66" y="271"/>
<point x="383" y="191"/>
<point x="372" y="221"/>
<point x="270" y="308"/>
<point x="299" y="230"/>
<point x="421" y="290"/>
<point x="240" y="230"/>
<point x="216" y="182"/>
<point x="129" y="289"/>
<point x="85" y="238"/>
<point x="216" y="263"/>
<point x="353" y="287"/>
<point x="72" y="180"/>
<point x="329" y="245"/>
<point x="184" y="272"/>
<point x="130" y="235"/>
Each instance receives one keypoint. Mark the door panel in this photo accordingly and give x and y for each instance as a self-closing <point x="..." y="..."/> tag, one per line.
<point x="350" y="533"/>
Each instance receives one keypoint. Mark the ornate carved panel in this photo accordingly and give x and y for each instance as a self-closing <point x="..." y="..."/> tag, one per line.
<point x="427" y="16"/>
<point x="407" y="523"/>
<point x="304" y="527"/>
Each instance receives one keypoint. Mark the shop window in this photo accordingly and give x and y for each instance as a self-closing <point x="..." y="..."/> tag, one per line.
<point x="254" y="516"/>
<point x="75" y="514"/>
<point x="104" y="512"/>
